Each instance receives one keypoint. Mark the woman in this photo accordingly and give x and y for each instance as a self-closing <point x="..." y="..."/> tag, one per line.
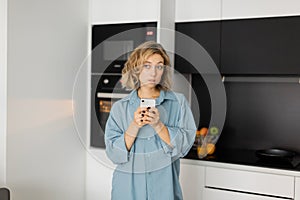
<point x="146" y="143"/>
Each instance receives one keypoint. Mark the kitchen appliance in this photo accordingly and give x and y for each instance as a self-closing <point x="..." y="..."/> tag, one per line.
<point x="275" y="153"/>
<point x="106" y="90"/>
<point x="111" y="46"/>
<point x="278" y="155"/>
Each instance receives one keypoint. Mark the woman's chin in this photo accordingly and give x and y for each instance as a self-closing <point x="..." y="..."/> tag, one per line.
<point x="149" y="84"/>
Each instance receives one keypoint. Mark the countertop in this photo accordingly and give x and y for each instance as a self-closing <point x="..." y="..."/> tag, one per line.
<point x="244" y="159"/>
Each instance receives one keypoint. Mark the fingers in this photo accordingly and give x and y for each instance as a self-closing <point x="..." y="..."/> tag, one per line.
<point x="144" y="116"/>
<point x="153" y="111"/>
<point x="139" y="116"/>
<point x="152" y="116"/>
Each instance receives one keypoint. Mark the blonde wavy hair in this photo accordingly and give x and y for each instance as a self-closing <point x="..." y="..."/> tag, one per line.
<point x="133" y="66"/>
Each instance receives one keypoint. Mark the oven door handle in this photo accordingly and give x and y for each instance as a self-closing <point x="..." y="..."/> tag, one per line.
<point x="111" y="95"/>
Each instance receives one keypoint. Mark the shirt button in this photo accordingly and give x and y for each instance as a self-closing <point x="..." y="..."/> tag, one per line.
<point x="148" y="138"/>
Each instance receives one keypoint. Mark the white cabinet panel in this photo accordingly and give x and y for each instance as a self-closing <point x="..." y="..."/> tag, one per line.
<point x="232" y="9"/>
<point x="99" y="173"/>
<point x="197" y="10"/>
<point x="297" y="188"/>
<point x="3" y="86"/>
<point x="254" y="182"/>
<point x="213" y="194"/>
<point x="192" y="181"/>
<point x="119" y="11"/>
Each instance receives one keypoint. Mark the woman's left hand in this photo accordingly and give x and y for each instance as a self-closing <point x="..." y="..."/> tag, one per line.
<point x="152" y="116"/>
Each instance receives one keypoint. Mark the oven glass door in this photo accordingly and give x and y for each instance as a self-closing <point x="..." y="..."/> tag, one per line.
<point x="103" y="109"/>
<point x="101" y="113"/>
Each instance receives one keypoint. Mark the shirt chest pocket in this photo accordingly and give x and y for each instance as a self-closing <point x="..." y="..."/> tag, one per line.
<point x="169" y="115"/>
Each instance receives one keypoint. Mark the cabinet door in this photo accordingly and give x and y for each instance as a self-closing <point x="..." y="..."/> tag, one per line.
<point x="119" y="11"/>
<point x="207" y="34"/>
<point x="192" y="181"/>
<point x="297" y="188"/>
<point x="232" y="9"/>
<point x="251" y="182"/>
<point x="195" y="10"/>
<point x="214" y="194"/>
<point x="264" y="46"/>
<point x="99" y="173"/>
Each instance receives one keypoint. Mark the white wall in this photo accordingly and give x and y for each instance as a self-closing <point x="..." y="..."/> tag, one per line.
<point x="47" y="41"/>
<point x="3" y="85"/>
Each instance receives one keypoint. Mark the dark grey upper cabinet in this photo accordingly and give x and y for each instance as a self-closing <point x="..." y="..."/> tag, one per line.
<point x="207" y="34"/>
<point x="263" y="46"/>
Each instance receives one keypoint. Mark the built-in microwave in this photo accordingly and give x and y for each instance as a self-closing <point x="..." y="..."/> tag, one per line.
<point x="112" y="43"/>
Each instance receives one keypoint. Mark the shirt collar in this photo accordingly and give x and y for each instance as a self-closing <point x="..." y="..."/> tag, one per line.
<point x="165" y="95"/>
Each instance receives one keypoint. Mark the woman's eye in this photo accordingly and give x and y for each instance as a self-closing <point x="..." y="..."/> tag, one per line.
<point x="159" y="67"/>
<point x="147" y="66"/>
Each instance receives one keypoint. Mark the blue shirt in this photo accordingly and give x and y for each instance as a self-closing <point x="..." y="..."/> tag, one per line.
<point x="150" y="170"/>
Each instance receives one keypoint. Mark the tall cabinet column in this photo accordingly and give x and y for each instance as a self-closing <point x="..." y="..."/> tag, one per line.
<point x="3" y="86"/>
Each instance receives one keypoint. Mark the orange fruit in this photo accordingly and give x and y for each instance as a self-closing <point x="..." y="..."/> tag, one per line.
<point x="208" y="150"/>
<point x="210" y="147"/>
<point x="201" y="151"/>
<point x="203" y="131"/>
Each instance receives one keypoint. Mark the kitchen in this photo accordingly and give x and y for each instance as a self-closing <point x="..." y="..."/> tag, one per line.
<point x="47" y="46"/>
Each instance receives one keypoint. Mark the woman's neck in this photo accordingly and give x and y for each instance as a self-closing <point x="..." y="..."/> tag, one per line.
<point x="150" y="93"/>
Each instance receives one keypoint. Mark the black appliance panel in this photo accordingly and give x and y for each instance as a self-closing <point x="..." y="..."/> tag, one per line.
<point x="207" y="34"/>
<point x="261" y="116"/>
<point x="97" y="132"/>
<point x="106" y="90"/>
<point x="108" y="40"/>
<point x="261" y="46"/>
<point x="201" y="100"/>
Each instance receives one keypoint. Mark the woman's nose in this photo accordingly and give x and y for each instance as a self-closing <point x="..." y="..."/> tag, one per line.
<point x="153" y="70"/>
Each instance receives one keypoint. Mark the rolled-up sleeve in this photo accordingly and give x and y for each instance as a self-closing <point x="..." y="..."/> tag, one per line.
<point x="114" y="140"/>
<point x="182" y="136"/>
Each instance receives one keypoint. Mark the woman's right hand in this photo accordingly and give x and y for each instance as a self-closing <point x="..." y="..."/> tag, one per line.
<point x="140" y="116"/>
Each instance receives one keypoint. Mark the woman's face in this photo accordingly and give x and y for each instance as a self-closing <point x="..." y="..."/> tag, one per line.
<point x="152" y="70"/>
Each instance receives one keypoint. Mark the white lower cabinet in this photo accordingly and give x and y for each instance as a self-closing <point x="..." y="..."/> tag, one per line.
<point x="99" y="175"/>
<point x="192" y="181"/>
<point x="297" y="188"/>
<point x="223" y="184"/>
<point x="215" y="194"/>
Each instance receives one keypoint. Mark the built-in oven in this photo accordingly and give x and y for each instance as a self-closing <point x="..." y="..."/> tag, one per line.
<point x="111" y="46"/>
<point x="106" y="90"/>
